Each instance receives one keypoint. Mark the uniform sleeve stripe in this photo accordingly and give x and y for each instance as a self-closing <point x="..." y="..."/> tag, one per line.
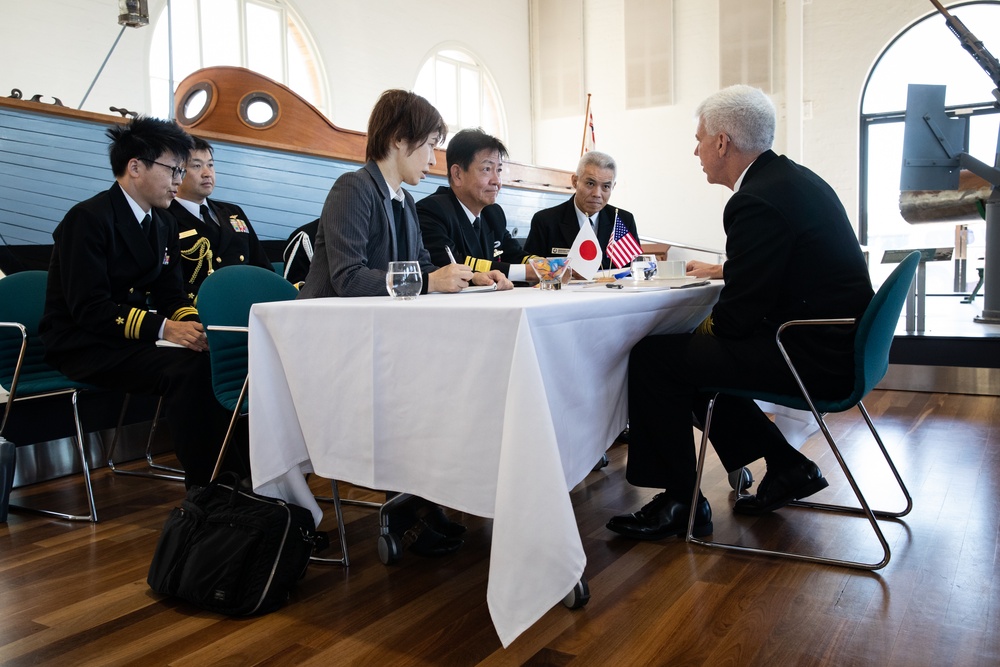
<point x="186" y="311"/>
<point x="481" y="265"/>
<point x="181" y="313"/>
<point x="134" y="323"/>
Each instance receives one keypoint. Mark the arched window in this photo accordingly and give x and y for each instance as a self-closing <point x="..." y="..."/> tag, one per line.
<point x="261" y="35"/>
<point x="926" y="52"/>
<point x="463" y="91"/>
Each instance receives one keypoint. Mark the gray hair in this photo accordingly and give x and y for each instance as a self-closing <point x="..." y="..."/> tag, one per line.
<point x="599" y="160"/>
<point x="745" y="113"/>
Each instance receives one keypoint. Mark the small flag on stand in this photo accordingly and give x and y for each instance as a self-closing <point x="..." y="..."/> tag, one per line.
<point x="585" y="255"/>
<point x="622" y="246"/>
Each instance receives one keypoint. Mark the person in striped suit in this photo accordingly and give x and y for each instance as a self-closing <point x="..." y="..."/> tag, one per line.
<point x="369" y="220"/>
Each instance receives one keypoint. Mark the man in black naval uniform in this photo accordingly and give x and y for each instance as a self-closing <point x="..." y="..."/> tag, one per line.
<point x="464" y="218"/>
<point x="114" y="292"/>
<point x="212" y="233"/>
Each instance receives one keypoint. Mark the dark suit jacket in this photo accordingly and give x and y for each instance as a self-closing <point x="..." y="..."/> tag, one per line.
<point x="791" y="253"/>
<point x="444" y="224"/>
<point x="556" y="228"/>
<point x="101" y="270"/>
<point x="356" y="239"/>
<point x="206" y="246"/>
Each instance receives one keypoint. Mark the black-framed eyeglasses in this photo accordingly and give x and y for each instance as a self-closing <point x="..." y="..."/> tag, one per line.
<point x="175" y="172"/>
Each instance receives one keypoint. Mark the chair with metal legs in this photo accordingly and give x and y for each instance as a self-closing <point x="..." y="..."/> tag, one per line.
<point x="169" y="473"/>
<point x="224" y="302"/>
<point x="874" y="335"/>
<point x="26" y="375"/>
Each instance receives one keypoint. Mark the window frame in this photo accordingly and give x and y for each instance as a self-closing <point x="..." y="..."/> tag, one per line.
<point x="870" y="119"/>
<point x="287" y="19"/>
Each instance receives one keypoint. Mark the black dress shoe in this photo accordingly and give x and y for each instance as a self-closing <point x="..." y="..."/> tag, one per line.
<point x="414" y="522"/>
<point x="429" y="542"/>
<point x="440" y="522"/>
<point x="780" y="487"/>
<point x="662" y="517"/>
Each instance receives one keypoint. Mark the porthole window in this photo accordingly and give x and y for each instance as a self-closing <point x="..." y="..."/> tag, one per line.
<point x="259" y="110"/>
<point x="199" y="101"/>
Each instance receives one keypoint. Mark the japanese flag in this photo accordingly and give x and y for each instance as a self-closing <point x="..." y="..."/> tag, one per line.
<point x="585" y="255"/>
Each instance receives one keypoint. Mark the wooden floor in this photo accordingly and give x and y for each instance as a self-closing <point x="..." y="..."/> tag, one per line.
<point x="73" y="594"/>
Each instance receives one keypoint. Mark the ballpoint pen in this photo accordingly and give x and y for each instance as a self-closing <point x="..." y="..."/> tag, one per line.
<point x="447" y="249"/>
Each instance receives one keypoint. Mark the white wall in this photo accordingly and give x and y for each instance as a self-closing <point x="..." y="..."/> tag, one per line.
<point x="56" y="48"/>
<point x="660" y="179"/>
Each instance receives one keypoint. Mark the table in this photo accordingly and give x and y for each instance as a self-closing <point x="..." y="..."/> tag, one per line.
<point x="496" y="404"/>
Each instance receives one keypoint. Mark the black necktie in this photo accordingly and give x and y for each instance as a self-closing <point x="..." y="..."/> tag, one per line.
<point x="397" y="214"/>
<point x="145" y="224"/>
<point x="206" y="214"/>
<point x="479" y="250"/>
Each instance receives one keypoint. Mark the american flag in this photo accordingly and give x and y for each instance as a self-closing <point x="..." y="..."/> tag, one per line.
<point x="622" y="246"/>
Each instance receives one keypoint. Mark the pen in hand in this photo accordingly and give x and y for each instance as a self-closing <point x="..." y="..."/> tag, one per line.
<point x="447" y="249"/>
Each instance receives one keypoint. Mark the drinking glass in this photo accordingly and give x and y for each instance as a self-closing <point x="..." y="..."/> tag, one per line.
<point x="644" y="267"/>
<point x="404" y="280"/>
<point x="550" y="271"/>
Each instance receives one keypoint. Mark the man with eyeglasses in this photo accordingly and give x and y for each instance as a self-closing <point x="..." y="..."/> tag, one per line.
<point x="212" y="233"/>
<point x="116" y="313"/>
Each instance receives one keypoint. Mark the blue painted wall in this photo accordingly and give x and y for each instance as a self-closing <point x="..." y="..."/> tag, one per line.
<point x="47" y="164"/>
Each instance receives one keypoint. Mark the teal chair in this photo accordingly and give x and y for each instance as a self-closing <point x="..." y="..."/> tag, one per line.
<point x="224" y="302"/>
<point x="871" y="358"/>
<point x="25" y="374"/>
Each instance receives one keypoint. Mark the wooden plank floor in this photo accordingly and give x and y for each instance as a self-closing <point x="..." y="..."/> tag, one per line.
<point x="74" y="594"/>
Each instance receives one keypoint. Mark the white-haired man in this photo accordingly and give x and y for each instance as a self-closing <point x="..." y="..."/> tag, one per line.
<point x="791" y="254"/>
<point x="554" y="229"/>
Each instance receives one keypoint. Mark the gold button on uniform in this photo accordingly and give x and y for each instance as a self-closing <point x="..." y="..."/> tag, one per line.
<point x="242" y="258"/>
<point x="219" y="260"/>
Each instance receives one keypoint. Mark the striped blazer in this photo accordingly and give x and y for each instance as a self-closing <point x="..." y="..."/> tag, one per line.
<point x="356" y="239"/>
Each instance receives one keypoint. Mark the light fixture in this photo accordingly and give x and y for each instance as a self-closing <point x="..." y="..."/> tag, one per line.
<point x="133" y="13"/>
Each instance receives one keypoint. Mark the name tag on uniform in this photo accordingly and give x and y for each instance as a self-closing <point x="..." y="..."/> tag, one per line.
<point x="560" y="251"/>
<point x="187" y="233"/>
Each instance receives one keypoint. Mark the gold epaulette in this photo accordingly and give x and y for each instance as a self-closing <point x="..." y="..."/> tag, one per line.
<point x="182" y="312"/>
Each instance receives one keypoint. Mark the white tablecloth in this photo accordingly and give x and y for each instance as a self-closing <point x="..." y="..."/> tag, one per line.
<point x="495" y="404"/>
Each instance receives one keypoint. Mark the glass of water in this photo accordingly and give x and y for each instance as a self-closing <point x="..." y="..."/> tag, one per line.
<point x="404" y="280"/>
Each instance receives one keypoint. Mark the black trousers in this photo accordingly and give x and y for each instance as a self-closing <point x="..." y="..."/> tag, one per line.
<point x="183" y="377"/>
<point x="667" y="379"/>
